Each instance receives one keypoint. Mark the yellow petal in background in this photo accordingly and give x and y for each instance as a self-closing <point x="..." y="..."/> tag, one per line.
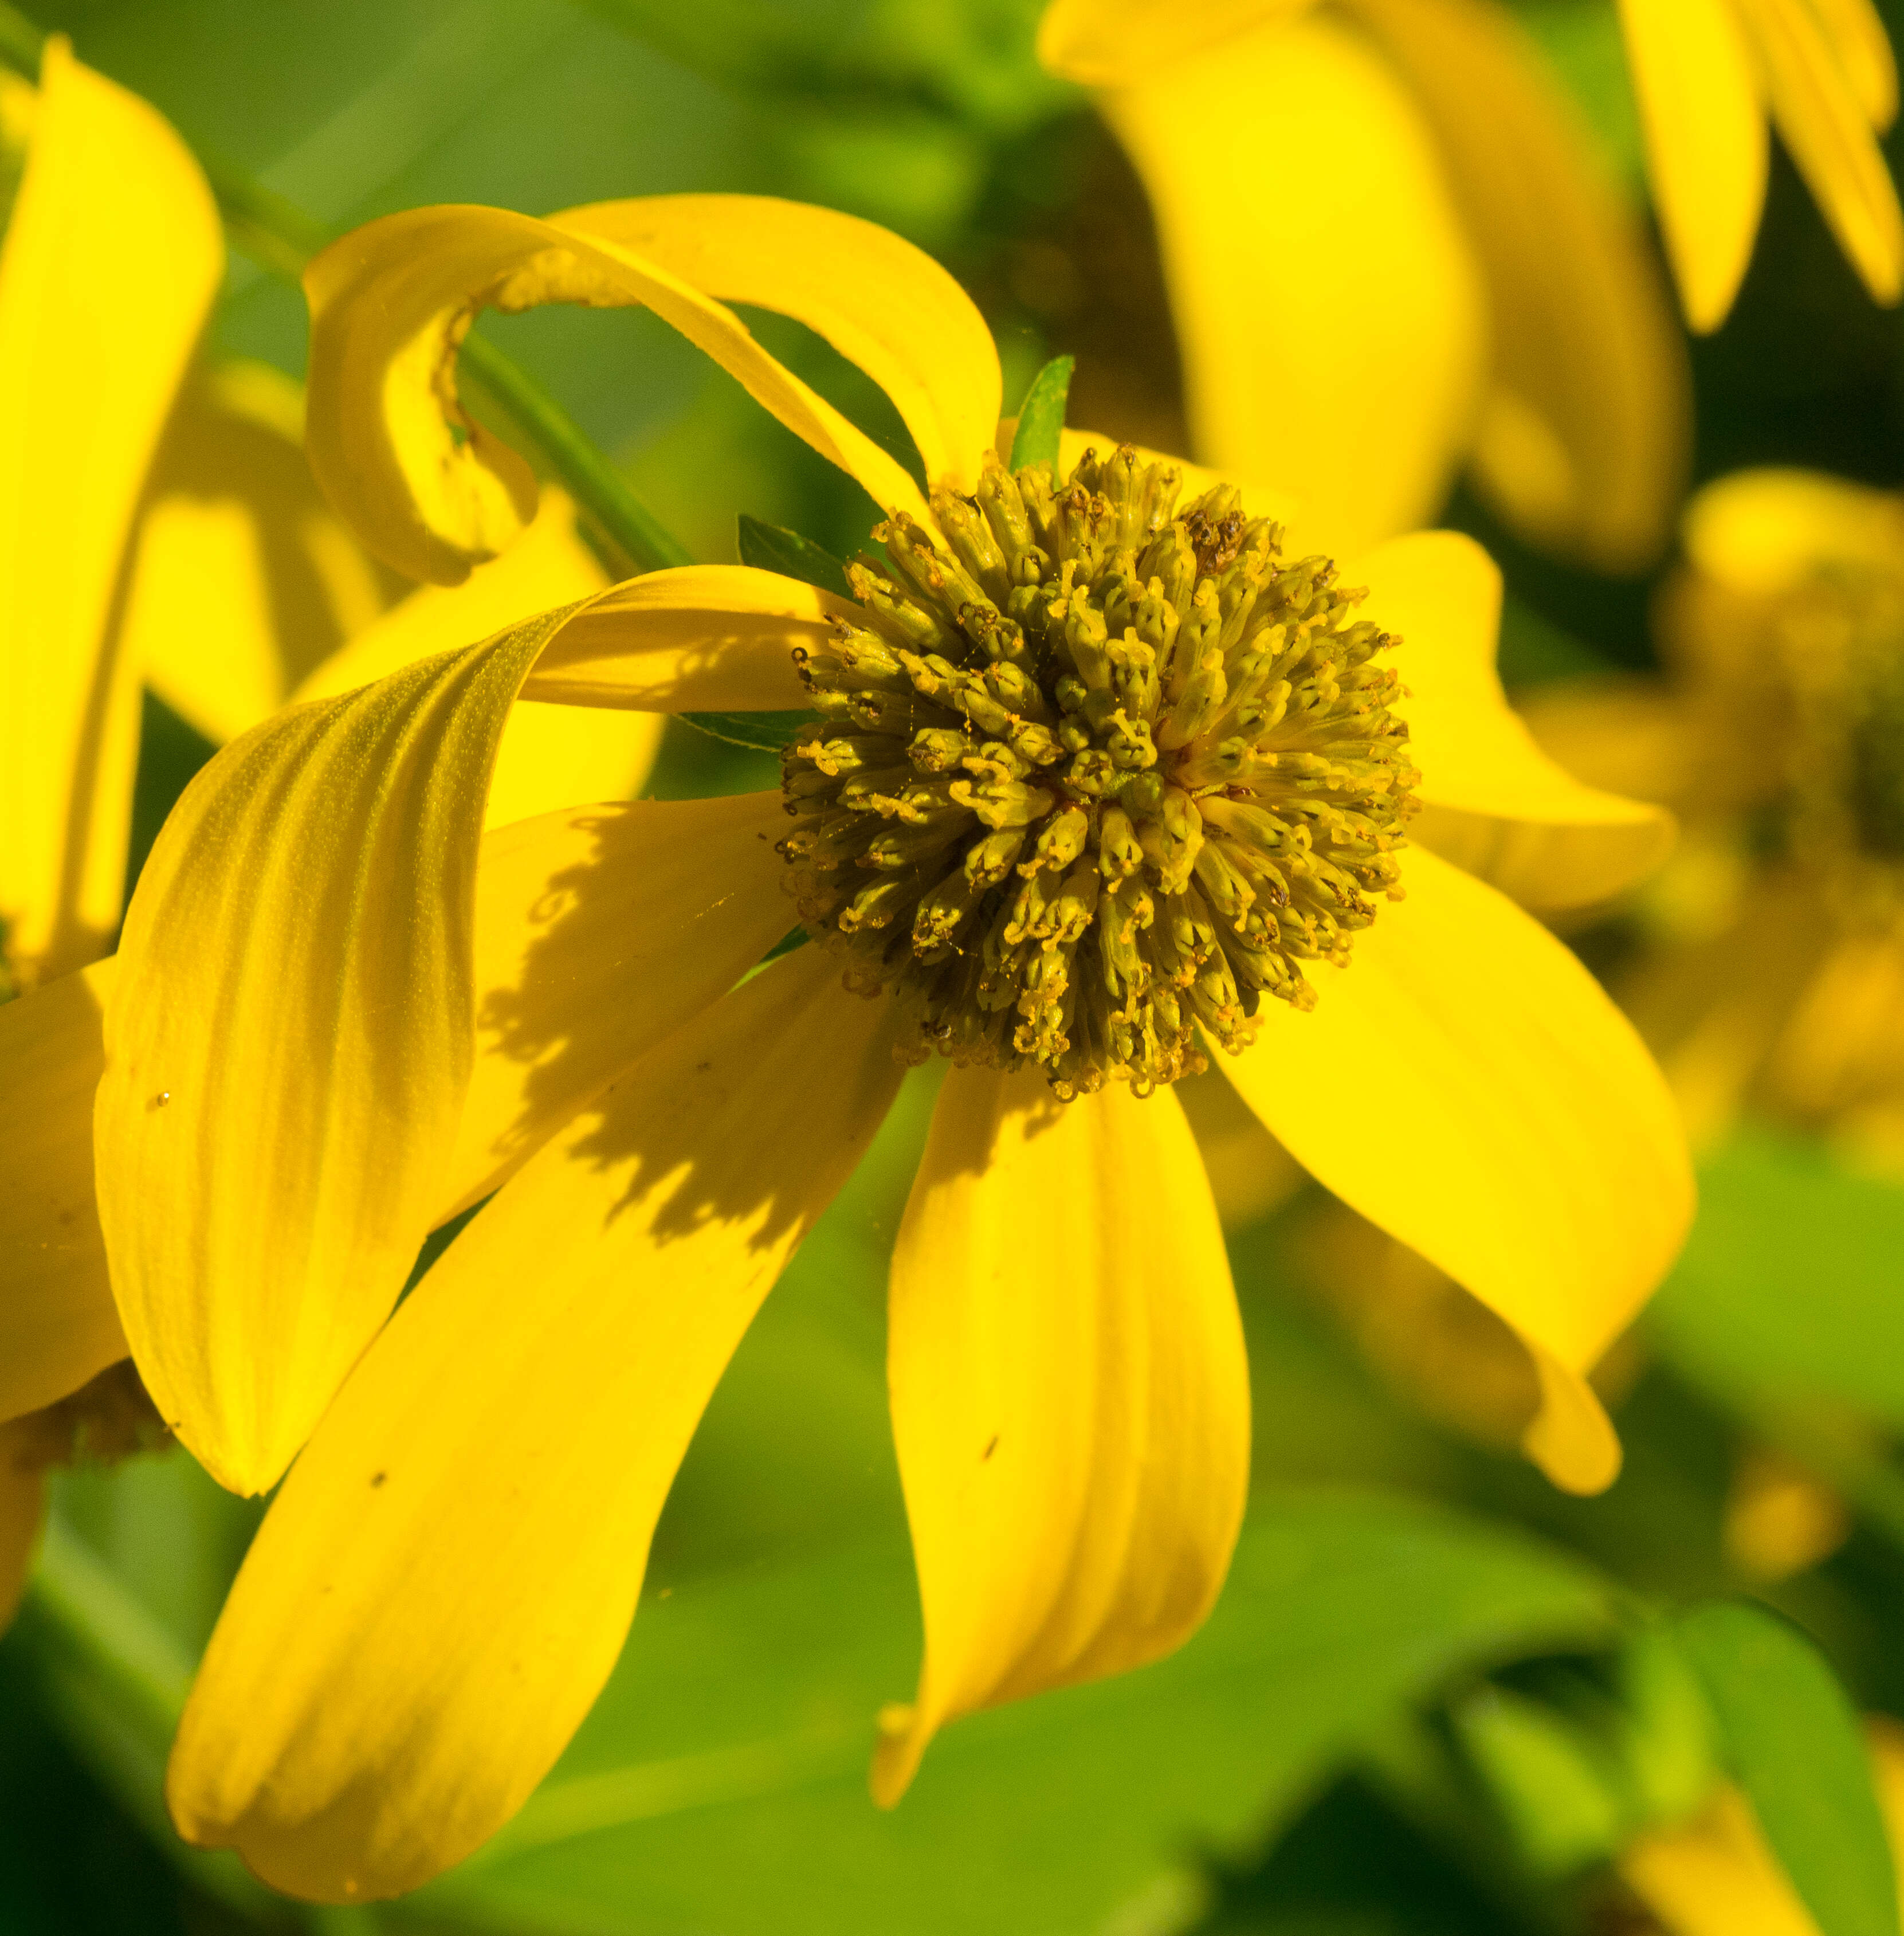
<point x="1070" y="1400"/>
<point x="551" y="756"/>
<point x="1584" y="439"/>
<point x="1763" y="532"/>
<point x="57" y="1325"/>
<point x="423" y="484"/>
<point x="1493" y="801"/>
<point x="440" y="1590"/>
<point x="1332" y="317"/>
<point x="599" y="931"/>
<point x="1115" y="43"/>
<point x="287" y="1046"/>
<point x="108" y="267"/>
<point x="897" y="315"/>
<point x="1521" y="1139"/>
<point x="1855" y="31"/>
<point x="244" y="579"/>
<point x="1824" y="125"/>
<point x="1706" y="145"/>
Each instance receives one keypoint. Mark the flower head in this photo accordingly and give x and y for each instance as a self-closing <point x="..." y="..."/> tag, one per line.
<point x="342" y="1013"/>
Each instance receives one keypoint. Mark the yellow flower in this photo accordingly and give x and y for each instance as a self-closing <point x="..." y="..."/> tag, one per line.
<point x="159" y="526"/>
<point x="1715" y="1876"/>
<point x="1390" y="248"/>
<point x="1772" y="974"/>
<point x="343" y="1014"/>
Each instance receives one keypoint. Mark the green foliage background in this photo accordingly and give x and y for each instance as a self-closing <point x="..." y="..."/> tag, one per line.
<point x="1437" y="1696"/>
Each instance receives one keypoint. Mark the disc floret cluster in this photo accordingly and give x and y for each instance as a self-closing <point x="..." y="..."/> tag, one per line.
<point x="1094" y="773"/>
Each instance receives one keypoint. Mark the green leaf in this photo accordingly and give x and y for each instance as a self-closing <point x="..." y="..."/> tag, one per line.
<point x="1041" y="416"/>
<point x="773" y="548"/>
<point x="1788" y="1285"/>
<point x="760" y="732"/>
<point x="741" y="1719"/>
<point x="1792" y="1741"/>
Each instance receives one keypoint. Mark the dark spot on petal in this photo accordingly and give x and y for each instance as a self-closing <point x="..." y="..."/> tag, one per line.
<point x="990" y="1449"/>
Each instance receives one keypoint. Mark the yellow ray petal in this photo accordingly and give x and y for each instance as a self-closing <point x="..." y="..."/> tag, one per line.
<point x="1525" y="1142"/>
<point x="600" y="931"/>
<point x="287" y="1046"/>
<point x="111" y="203"/>
<point x="550" y="756"/>
<point x="1493" y="801"/>
<point x="1584" y="441"/>
<point x="1070" y="1400"/>
<point x="444" y="1582"/>
<point x="882" y="304"/>
<point x="1856" y="31"/>
<point x="712" y="638"/>
<point x="22" y="1506"/>
<point x="1763" y="532"/>
<point x="1332" y="315"/>
<point x="58" y="1326"/>
<point x="1715" y="1877"/>
<point x="425" y="486"/>
<point x="1706" y="147"/>
<point x="243" y="579"/>
<point x="1824" y="124"/>
<point x="1118" y="43"/>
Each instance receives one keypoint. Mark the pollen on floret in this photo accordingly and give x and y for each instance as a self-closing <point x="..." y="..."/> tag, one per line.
<point x="1094" y="775"/>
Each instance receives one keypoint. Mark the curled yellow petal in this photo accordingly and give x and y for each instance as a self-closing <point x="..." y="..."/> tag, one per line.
<point x="550" y="756"/>
<point x="58" y="1325"/>
<point x="243" y="579"/>
<point x="1493" y="801"/>
<point x="1584" y="439"/>
<point x="1824" y="124"/>
<point x="1070" y="1400"/>
<point x="424" y="484"/>
<point x="110" y="202"/>
<point x="1531" y="1150"/>
<point x="1706" y="146"/>
<point x="882" y="304"/>
<point x="440" y="1590"/>
<point x="287" y="1046"/>
<point x="1331" y="314"/>
<point x="1115" y="43"/>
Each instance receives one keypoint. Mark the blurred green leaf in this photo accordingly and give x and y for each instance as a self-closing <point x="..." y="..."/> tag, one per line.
<point x="761" y="732"/>
<point x="773" y="548"/>
<point x="1561" y="1799"/>
<point x="1792" y="1742"/>
<point x="1041" y="416"/>
<point x="1790" y="1282"/>
<point x="720" y="1785"/>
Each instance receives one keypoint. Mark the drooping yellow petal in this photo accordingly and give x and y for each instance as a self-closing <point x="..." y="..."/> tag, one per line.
<point x="551" y="756"/>
<point x="1763" y="532"/>
<point x="58" y="1325"/>
<point x="22" y="1506"/>
<point x="1493" y="801"/>
<point x="108" y="266"/>
<point x="243" y="579"/>
<point x="1823" y="122"/>
<point x="600" y="931"/>
<point x="1583" y="441"/>
<point x="1332" y="318"/>
<point x="1117" y="43"/>
<point x="440" y="1590"/>
<point x="882" y="304"/>
<point x="287" y="1046"/>
<point x="1706" y="146"/>
<point x="1070" y="1400"/>
<point x="1519" y="1135"/>
<point x="423" y="484"/>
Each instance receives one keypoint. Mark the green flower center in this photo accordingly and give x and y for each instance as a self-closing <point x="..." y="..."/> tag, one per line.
<point x="1094" y="773"/>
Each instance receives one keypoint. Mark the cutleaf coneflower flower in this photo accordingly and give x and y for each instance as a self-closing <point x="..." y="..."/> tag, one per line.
<point x="1094" y="785"/>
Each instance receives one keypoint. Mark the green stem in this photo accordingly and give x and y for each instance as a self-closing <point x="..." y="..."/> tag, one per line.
<point x="283" y="238"/>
